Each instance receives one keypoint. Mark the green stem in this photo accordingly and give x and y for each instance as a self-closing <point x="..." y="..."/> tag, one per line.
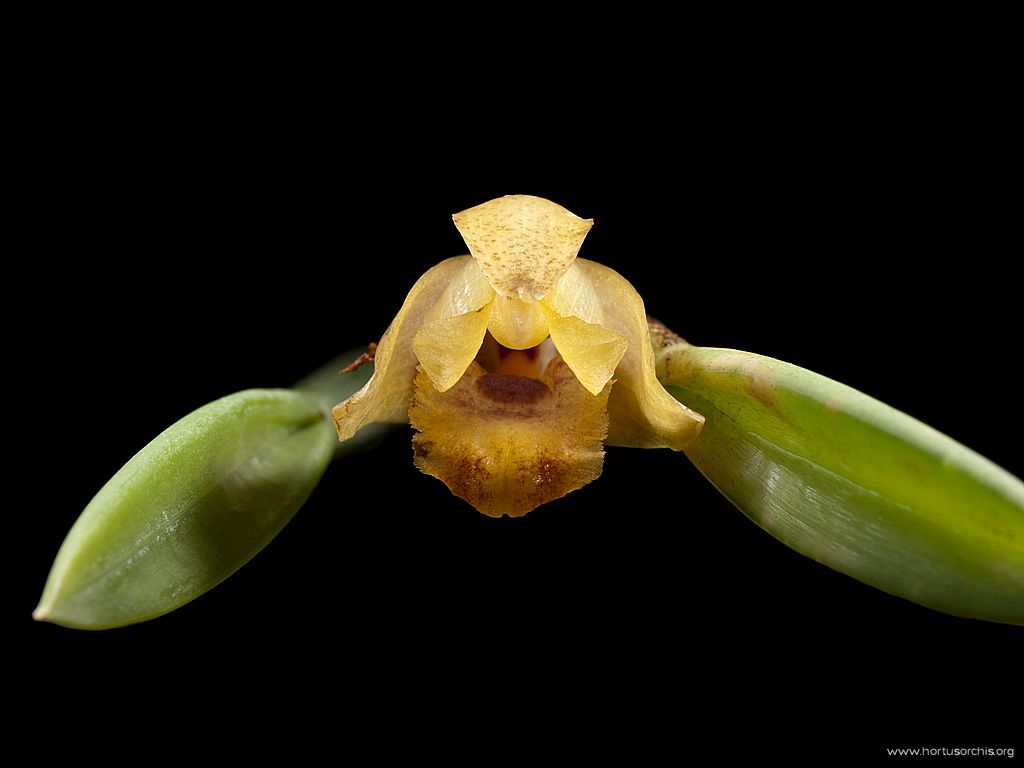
<point x="327" y="387"/>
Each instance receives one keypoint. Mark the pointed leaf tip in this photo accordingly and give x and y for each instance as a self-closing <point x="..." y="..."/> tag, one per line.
<point x="189" y="509"/>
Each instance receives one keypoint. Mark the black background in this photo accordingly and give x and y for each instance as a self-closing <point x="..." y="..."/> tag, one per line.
<point x="203" y="230"/>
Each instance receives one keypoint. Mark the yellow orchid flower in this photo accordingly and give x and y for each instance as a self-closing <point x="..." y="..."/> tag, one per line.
<point x="515" y="364"/>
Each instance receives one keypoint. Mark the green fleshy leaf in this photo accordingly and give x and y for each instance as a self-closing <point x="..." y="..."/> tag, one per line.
<point x="854" y="483"/>
<point x="189" y="509"/>
<point x="198" y="502"/>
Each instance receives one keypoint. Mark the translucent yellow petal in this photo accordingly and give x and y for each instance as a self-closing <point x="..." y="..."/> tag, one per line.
<point x="591" y="351"/>
<point x="524" y="244"/>
<point x="467" y="291"/>
<point x="507" y="444"/>
<point x="517" y="324"/>
<point x="574" y="294"/>
<point x="641" y="414"/>
<point x="446" y="347"/>
<point x="385" y="397"/>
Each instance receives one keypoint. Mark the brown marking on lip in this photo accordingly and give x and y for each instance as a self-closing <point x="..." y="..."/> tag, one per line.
<point x="512" y="389"/>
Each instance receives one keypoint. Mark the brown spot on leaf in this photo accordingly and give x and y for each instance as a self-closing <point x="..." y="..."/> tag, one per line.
<point x="763" y="391"/>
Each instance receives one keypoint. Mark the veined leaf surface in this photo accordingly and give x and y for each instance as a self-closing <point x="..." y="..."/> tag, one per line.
<point x="854" y="483"/>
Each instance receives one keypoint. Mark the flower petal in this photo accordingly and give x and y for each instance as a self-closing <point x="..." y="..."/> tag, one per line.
<point x="524" y="244"/>
<point x="446" y="347"/>
<point x="385" y="397"/>
<point x="641" y="414"/>
<point x="467" y="291"/>
<point x="590" y="350"/>
<point x="575" y="295"/>
<point x="507" y="444"/>
<point x="454" y="328"/>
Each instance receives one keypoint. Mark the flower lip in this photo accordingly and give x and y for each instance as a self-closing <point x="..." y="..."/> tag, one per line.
<point x="508" y="443"/>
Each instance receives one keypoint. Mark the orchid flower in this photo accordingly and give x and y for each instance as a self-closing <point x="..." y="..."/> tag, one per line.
<point x="517" y="362"/>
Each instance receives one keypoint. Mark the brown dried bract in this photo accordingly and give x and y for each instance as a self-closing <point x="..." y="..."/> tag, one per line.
<point x="363" y="359"/>
<point x="661" y="335"/>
